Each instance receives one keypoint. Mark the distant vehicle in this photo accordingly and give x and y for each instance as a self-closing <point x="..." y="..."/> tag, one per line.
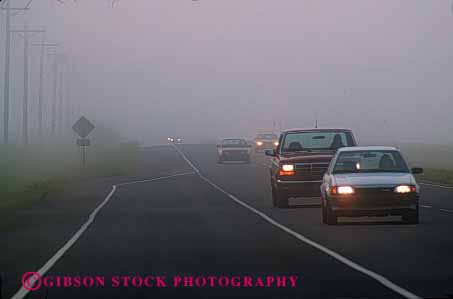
<point x="265" y="142"/>
<point x="175" y="140"/>
<point x="233" y="149"/>
<point x="370" y="181"/>
<point x="300" y="160"/>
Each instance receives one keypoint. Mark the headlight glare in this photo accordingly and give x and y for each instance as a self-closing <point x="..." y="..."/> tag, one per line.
<point x="345" y="190"/>
<point x="288" y="167"/>
<point x="402" y="189"/>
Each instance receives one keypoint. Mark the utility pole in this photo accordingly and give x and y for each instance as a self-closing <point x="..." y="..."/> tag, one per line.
<point x="8" y="9"/>
<point x="54" y="96"/>
<point x="56" y="66"/>
<point x="27" y="34"/>
<point x="43" y="45"/>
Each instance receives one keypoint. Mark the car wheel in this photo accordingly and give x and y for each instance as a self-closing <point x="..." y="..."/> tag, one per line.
<point x="411" y="217"/>
<point x="282" y="199"/>
<point x="331" y="218"/>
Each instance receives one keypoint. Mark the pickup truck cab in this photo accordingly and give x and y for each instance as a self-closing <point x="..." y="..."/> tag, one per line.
<point x="300" y="160"/>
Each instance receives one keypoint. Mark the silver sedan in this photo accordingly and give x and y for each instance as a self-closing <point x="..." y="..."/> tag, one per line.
<point x="369" y="181"/>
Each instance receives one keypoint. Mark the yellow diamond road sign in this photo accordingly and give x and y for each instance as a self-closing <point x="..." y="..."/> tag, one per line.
<point x="83" y="127"/>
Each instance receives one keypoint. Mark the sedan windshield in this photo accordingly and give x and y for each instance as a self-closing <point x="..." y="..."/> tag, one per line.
<point x="267" y="136"/>
<point x="370" y="161"/>
<point x="316" y="140"/>
<point x="234" y="143"/>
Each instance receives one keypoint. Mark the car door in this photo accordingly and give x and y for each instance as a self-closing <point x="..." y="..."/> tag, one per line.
<point x="327" y="178"/>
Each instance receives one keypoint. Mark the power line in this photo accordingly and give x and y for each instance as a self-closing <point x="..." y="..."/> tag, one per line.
<point x="6" y="92"/>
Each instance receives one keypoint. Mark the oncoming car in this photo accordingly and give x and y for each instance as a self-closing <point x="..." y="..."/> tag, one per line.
<point x="233" y="149"/>
<point x="265" y="142"/>
<point x="370" y="181"/>
<point x="299" y="162"/>
<point x="177" y="140"/>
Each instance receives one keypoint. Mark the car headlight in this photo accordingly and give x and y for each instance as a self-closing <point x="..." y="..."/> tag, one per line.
<point x="342" y="190"/>
<point x="287" y="169"/>
<point x="276" y="143"/>
<point x="259" y="143"/>
<point x="402" y="189"/>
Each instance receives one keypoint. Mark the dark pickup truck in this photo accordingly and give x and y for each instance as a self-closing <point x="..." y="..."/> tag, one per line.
<point x="301" y="159"/>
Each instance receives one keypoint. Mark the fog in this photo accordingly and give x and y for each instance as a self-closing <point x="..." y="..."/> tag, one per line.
<point x="211" y="68"/>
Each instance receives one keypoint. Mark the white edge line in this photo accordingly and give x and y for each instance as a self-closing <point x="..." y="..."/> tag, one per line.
<point x="379" y="278"/>
<point x="438" y="186"/>
<point x="156" y="179"/>
<point x="22" y="292"/>
<point x="426" y="206"/>
<point x="445" y="210"/>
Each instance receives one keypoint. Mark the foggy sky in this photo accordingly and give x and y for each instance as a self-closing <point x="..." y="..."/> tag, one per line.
<point x="213" y="68"/>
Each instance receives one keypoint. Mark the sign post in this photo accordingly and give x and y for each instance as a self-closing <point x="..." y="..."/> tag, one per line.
<point x="83" y="128"/>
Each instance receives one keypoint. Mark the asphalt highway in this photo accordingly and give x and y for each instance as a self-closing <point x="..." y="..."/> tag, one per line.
<point x="184" y="215"/>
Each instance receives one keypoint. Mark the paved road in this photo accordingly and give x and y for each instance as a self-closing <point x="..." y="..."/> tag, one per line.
<point x="222" y="224"/>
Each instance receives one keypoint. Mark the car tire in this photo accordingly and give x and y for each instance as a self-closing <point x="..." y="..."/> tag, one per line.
<point x="411" y="217"/>
<point x="281" y="198"/>
<point x="331" y="218"/>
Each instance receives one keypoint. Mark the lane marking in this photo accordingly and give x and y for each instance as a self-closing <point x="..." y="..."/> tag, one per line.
<point x="379" y="278"/>
<point x="426" y="206"/>
<point x="437" y="186"/>
<point x="156" y="179"/>
<point x="22" y="292"/>
<point x="446" y="210"/>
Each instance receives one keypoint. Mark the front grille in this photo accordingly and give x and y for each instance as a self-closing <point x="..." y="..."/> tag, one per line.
<point x="378" y="191"/>
<point x="311" y="171"/>
<point x="235" y="152"/>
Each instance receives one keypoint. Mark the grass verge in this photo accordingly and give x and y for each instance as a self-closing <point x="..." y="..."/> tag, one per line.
<point x="28" y="176"/>
<point x="437" y="175"/>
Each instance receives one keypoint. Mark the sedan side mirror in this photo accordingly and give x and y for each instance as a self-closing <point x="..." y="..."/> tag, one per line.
<point x="270" y="153"/>
<point x="417" y="170"/>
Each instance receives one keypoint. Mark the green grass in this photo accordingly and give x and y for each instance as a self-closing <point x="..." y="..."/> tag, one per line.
<point x="27" y="176"/>
<point x="435" y="175"/>
<point x="436" y="159"/>
<point x="439" y="156"/>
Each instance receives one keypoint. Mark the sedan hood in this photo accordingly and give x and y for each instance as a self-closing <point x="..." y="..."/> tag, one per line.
<point x="373" y="179"/>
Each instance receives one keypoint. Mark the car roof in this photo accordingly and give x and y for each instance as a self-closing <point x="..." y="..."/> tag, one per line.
<point x="367" y="148"/>
<point x="316" y="130"/>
